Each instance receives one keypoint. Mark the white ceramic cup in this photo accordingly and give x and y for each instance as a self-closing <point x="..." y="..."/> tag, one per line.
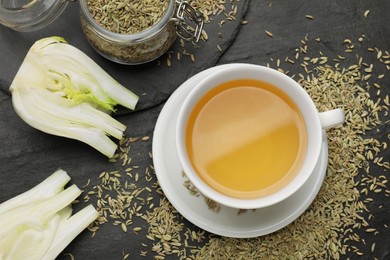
<point x="315" y="123"/>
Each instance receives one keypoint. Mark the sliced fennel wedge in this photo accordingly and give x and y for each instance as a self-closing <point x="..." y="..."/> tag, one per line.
<point x="38" y="224"/>
<point x="59" y="90"/>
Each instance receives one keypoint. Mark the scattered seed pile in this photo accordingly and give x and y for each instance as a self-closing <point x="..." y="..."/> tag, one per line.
<point x="211" y="8"/>
<point x="120" y="197"/>
<point x="168" y="234"/>
<point x="130" y="198"/>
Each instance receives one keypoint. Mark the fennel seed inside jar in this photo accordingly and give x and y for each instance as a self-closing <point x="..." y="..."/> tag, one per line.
<point x="129" y="31"/>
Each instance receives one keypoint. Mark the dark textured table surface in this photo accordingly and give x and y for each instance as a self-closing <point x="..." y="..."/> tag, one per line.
<point x="274" y="30"/>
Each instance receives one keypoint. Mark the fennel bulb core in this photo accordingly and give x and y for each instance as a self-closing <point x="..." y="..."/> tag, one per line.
<point x="59" y="90"/>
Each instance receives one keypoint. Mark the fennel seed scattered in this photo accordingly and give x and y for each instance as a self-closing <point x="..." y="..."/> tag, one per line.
<point x="269" y="33"/>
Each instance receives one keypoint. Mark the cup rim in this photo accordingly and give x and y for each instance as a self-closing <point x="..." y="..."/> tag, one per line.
<point x="227" y="74"/>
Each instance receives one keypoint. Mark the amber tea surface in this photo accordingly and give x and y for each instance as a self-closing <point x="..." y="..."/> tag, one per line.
<point x="246" y="138"/>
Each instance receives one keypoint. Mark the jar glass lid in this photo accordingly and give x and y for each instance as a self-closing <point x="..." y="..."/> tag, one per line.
<point x="30" y="15"/>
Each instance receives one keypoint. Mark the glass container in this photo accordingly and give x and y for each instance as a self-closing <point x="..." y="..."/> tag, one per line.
<point x="146" y="45"/>
<point x="30" y="15"/>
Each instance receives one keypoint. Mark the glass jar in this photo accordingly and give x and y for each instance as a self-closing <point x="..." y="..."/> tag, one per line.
<point x="30" y="15"/>
<point x="146" y="45"/>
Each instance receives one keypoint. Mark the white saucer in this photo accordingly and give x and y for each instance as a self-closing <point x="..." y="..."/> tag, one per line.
<point x="226" y="222"/>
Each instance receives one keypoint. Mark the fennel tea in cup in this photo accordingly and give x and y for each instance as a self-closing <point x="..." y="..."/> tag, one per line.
<point x="249" y="136"/>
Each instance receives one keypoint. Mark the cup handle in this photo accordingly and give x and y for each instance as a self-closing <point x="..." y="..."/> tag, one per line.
<point x="331" y="118"/>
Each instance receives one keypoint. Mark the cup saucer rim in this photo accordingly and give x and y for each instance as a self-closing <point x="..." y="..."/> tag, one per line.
<point x="226" y="222"/>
